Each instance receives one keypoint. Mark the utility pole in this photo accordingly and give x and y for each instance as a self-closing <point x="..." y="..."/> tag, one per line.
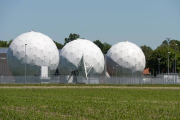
<point x="135" y="70"/>
<point x="168" y="40"/>
<point x="175" y="58"/>
<point x="159" y="64"/>
<point x="116" y="70"/>
<point x="25" y="63"/>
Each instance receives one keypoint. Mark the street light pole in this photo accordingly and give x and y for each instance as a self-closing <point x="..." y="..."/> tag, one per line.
<point x="159" y="64"/>
<point x="116" y="71"/>
<point x="175" y="58"/>
<point x="135" y="70"/>
<point x="173" y="62"/>
<point x="113" y="73"/>
<point x="168" y="40"/>
<point x="25" y="63"/>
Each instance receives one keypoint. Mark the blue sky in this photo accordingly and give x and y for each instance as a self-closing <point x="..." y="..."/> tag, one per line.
<point x="143" y="22"/>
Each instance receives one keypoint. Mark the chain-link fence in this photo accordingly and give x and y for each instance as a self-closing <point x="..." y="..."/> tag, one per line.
<point x="164" y="79"/>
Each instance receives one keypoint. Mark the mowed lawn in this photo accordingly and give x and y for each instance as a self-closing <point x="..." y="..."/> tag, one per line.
<point x="89" y="103"/>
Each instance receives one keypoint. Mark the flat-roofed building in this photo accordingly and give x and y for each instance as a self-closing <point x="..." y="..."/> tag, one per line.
<point x="4" y="69"/>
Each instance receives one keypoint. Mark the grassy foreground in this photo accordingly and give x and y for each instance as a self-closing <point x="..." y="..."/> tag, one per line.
<point x="89" y="103"/>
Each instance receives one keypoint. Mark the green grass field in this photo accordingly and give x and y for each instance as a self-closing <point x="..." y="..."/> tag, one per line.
<point x="89" y="103"/>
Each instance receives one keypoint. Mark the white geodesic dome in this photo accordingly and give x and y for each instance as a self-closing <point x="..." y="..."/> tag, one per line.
<point x="125" y="59"/>
<point x="40" y="51"/>
<point x="71" y="55"/>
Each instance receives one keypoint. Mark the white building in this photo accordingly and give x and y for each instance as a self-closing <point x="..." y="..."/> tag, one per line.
<point x="81" y="57"/>
<point x="125" y="59"/>
<point x="29" y="52"/>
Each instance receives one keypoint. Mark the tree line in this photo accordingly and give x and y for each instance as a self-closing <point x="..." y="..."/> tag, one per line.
<point x="155" y="59"/>
<point x="5" y="43"/>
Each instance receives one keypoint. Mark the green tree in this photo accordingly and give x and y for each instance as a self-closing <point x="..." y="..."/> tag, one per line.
<point x="99" y="44"/>
<point x="72" y="37"/>
<point x="103" y="46"/>
<point x="3" y="44"/>
<point x="9" y="43"/>
<point x="106" y="47"/>
<point x="172" y="43"/>
<point x="59" y="45"/>
<point x="147" y="52"/>
<point x="162" y="52"/>
<point x="164" y="43"/>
